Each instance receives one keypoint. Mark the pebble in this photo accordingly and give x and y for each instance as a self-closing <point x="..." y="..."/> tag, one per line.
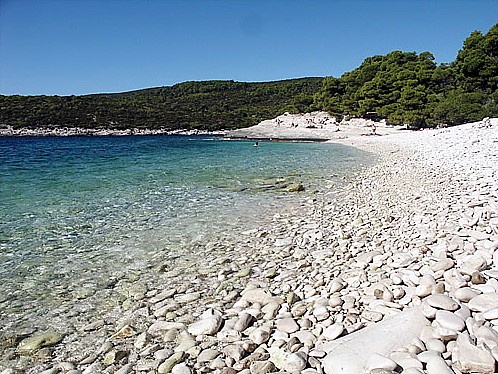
<point x="483" y="302"/>
<point x="441" y="301"/>
<point x="449" y="320"/>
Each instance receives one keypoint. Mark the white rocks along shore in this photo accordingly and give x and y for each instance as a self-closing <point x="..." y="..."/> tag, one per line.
<point x="395" y="273"/>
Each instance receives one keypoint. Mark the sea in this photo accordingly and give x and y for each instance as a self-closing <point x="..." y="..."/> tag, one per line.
<point x="77" y="214"/>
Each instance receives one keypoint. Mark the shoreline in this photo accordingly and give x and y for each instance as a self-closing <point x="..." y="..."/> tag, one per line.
<point x="77" y="131"/>
<point x="413" y="238"/>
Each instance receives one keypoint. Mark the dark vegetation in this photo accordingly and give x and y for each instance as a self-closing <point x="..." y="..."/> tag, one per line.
<point x="409" y="88"/>
<point x="402" y="87"/>
<point x="211" y="105"/>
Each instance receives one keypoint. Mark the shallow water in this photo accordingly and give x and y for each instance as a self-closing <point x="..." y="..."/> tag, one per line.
<point x="77" y="214"/>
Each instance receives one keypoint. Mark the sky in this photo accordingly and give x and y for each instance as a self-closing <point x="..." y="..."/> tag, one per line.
<point x="75" y="47"/>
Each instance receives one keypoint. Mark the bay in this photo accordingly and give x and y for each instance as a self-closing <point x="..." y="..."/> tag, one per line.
<point x="80" y="214"/>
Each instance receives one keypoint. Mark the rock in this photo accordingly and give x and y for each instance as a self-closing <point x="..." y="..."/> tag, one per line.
<point x="491" y="314"/>
<point x="170" y="362"/>
<point x="30" y="345"/>
<point x="181" y="368"/>
<point x="185" y="342"/>
<point x="261" y="296"/>
<point x="465" y="294"/>
<point x="244" y="321"/>
<point x="124" y="332"/>
<point x="287" y="325"/>
<point x="336" y="285"/>
<point x="157" y="328"/>
<point x="206" y="326"/>
<point x="207" y="355"/>
<point x="262" y="367"/>
<point x="259" y="336"/>
<point x="436" y="365"/>
<point x="296" y="187"/>
<point x="441" y="301"/>
<point x="290" y="362"/>
<point x="350" y="353"/>
<point x="469" y="359"/>
<point x="449" y="320"/>
<point x="333" y="331"/>
<point x="443" y="264"/>
<point x="483" y="302"/>
<point x="283" y="242"/>
<point x="376" y="361"/>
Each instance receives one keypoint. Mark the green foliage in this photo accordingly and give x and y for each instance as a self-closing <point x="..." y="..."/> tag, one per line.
<point x="211" y="105"/>
<point x="406" y="88"/>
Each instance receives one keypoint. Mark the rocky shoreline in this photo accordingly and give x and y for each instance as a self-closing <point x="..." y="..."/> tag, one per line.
<point x="395" y="273"/>
<point x="78" y="131"/>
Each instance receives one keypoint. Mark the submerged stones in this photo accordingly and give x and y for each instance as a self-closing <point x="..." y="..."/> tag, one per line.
<point x="33" y="343"/>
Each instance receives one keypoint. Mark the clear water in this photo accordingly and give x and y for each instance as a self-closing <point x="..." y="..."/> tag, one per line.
<point x="79" y="212"/>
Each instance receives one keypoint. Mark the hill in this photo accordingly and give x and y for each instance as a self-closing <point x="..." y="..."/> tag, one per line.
<point x="208" y="105"/>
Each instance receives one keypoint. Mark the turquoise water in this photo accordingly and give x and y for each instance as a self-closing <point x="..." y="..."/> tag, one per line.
<point x="83" y="212"/>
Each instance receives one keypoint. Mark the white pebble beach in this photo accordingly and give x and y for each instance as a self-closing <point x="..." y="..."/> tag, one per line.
<point x="397" y="272"/>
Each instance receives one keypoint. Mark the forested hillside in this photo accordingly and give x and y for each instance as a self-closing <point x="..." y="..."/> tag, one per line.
<point x="210" y="105"/>
<point x="402" y="87"/>
<point x="409" y="88"/>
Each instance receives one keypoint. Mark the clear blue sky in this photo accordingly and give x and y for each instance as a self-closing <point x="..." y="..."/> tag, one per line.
<point x="64" y="47"/>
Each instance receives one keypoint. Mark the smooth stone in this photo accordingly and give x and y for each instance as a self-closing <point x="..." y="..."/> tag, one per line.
<point x="483" y="302"/>
<point x="188" y="297"/>
<point x="244" y="321"/>
<point x="283" y="242"/>
<point x="185" y="342"/>
<point x="33" y="343"/>
<point x="423" y="290"/>
<point x="306" y="337"/>
<point x="206" y="326"/>
<point x="435" y="345"/>
<point x="124" y="332"/>
<point x="350" y="353"/>
<point x="321" y="313"/>
<point x="335" y="301"/>
<point x="436" y="365"/>
<point x="290" y="362"/>
<point x="259" y="336"/>
<point x="262" y="367"/>
<point x="376" y="361"/>
<point x="472" y="264"/>
<point x="157" y="328"/>
<point x="443" y="264"/>
<point x="441" y="301"/>
<point x="372" y="316"/>
<point x="288" y="325"/>
<point x="163" y="295"/>
<point x="491" y="314"/>
<point x="449" y="320"/>
<point x="113" y="357"/>
<point x="336" y="285"/>
<point x="465" y="294"/>
<point x="261" y="296"/>
<point x="427" y="310"/>
<point x="333" y="331"/>
<point x="409" y="362"/>
<point x="170" y="362"/>
<point x="469" y="358"/>
<point x="207" y="355"/>
<point x="181" y="368"/>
